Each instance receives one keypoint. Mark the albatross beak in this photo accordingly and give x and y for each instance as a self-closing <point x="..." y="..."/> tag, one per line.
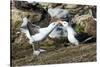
<point x="60" y="22"/>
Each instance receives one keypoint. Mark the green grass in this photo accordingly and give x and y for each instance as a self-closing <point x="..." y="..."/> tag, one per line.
<point x="79" y="28"/>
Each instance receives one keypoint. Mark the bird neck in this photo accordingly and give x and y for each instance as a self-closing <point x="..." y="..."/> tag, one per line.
<point x="70" y="30"/>
<point x="50" y="28"/>
<point x="25" y="21"/>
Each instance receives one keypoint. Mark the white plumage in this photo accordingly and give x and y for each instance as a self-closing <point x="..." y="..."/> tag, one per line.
<point x="71" y="33"/>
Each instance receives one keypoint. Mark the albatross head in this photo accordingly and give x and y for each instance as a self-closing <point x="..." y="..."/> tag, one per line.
<point x="64" y="23"/>
<point x="25" y="19"/>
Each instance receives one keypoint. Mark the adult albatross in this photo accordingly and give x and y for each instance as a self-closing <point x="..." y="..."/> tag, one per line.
<point x="71" y="33"/>
<point x="73" y="37"/>
<point x="36" y="34"/>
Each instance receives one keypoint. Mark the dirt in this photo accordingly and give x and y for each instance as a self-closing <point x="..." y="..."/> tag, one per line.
<point x="69" y="54"/>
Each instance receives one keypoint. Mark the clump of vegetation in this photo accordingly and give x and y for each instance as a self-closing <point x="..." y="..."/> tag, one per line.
<point x="79" y="28"/>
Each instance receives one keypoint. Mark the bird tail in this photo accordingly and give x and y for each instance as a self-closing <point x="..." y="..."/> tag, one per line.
<point x="90" y="39"/>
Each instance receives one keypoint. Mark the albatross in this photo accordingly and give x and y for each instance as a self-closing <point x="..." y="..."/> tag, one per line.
<point x="71" y="33"/>
<point x="35" y="34"/>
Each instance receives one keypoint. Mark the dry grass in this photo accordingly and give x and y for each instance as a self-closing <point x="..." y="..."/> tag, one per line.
<point x="70" y="54"/>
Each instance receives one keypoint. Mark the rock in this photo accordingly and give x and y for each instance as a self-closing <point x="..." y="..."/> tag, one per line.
<point x="81" y="9"/>
<point x="56" y="5"/>
<point x="37" y="14"/>
<point x="75" y="11"/>
<point x="44" y="5"/>
<point x="93" y="11"/>
<point x="87" y="22"/>
<point x="34" y="17"/>
<point x="22" y="5"/>
<point x="71" y="6"/>
<point x="91" y="27"/>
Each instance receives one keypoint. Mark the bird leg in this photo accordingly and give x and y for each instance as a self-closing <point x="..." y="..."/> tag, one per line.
<point x="33" y="47"/>
<point x="35" y="51"/>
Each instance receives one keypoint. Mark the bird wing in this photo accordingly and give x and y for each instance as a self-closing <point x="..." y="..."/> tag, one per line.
<point x="33" y="29"/>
